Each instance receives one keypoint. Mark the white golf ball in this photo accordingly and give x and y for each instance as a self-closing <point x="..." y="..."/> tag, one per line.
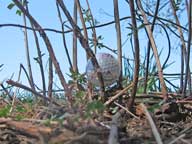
<point x="109" y="68"/>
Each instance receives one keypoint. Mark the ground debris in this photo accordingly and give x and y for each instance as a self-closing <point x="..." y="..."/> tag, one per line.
<point x="59" y="125"/>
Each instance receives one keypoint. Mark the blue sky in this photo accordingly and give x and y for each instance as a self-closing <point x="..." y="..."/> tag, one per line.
<point x="12" y="39"/>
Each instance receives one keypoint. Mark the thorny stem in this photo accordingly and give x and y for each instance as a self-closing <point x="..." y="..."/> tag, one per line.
<point x="85" y="45"/>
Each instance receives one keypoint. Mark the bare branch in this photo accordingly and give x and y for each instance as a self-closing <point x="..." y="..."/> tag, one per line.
<point x="136" y="54"/>
<point x="49" y="48"/>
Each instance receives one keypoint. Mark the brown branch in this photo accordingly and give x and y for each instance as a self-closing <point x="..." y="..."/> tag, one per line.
<point x="16" y="84"/>
<point x="49" y="48"/>
<point x="75" y="67"/>
<point x="50" y="83"/>
<point x="136" y="54"/>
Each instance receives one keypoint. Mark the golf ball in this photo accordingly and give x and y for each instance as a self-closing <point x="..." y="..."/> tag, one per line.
<point x="109" y="68"/>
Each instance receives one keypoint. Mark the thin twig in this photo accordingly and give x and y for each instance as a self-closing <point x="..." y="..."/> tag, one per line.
<point x="63" y="35"/>
<point x="177" y="139"/>
<point x="124" y="108"/>
<point x="120" y="93"/>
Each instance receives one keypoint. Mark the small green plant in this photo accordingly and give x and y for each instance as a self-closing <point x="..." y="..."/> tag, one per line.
<point x="19" y="117"/>
<point x="76" y="76"/>
<point x="94" y="108"/>
<point x="11" y="5"/>
<point x="20" y="109"/>
<point x="4" y="112"/>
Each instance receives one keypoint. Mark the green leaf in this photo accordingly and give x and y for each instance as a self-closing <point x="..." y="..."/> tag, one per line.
<point x="10" y="6"/>
<point x="18" y="12"/>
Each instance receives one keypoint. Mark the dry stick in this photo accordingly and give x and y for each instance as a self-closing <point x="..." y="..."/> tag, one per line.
<point x="50" y="83"/>
<point x="118" y="35"/>
<point x="75" y="67"/>
<point x="94" y="35"/>
<point x="82" y="22"/>
<point x="155" y="51"/>
<point x="152" y="124"/>
<point x="16" y="84"/>
<point x="27" y="50"/>
<point x="119" y="94"/>
<point x="183" y="47"/>
<point x="49" y="48"/>
<point x="85" y="45"/>
<point x="39" y="59"/>
<point x="63" y="36"/>
<point x="136" y="54"/>
<point x="149" y="47"/>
